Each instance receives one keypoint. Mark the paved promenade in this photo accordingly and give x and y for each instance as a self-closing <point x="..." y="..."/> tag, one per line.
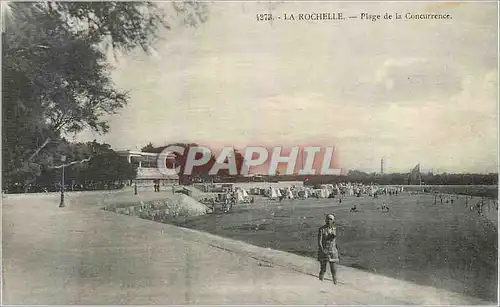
<point x="83" y="255"/>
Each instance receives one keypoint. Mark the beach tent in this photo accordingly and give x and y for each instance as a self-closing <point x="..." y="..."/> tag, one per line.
<point x="255" y="191"/>
<point x="322" y="193"/>
<point x="372" y="190"/>
<point x="239" y="196"/>
<point x="273" y="193"/>
<point x="329" y="187"/>
<point x="244" y="192"/>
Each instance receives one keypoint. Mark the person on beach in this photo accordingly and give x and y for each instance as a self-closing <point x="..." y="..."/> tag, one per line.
<point x="327" y="248"/>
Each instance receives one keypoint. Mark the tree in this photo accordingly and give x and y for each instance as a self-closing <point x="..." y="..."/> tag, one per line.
<point x="56" y="79"/>
<point x="107" y="166"/>
<point x="90" y="164"/>
<point x="148" y="148"/>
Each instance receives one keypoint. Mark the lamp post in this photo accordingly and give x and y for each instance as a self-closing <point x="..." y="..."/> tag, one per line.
<point x="61" y="204"/>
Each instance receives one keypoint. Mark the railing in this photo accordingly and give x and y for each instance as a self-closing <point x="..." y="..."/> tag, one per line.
<point x="154" y="173"/>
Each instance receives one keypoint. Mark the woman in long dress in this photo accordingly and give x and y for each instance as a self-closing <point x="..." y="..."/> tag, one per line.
<point x="327" y="248"/>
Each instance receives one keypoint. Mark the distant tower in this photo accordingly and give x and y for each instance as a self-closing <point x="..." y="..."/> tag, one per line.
<point x="381" y="166"/>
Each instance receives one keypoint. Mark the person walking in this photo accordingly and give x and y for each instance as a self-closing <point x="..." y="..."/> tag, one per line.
<point x="327" y="248"/>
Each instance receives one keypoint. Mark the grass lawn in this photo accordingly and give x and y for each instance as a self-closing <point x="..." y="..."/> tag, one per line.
<point x="442" y="245"/>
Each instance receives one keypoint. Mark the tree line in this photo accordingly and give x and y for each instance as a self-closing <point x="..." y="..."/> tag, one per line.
<point x="202" y="173"/>
<point x="91" y="166"/>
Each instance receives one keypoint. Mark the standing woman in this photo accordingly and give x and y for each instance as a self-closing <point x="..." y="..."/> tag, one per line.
<point x="327" y="251"/>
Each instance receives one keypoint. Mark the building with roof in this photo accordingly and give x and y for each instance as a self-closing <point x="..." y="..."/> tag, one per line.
<point x="147" y="168"/>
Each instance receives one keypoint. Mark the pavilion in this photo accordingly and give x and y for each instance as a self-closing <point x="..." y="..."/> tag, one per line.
<point x="147" y="169"/>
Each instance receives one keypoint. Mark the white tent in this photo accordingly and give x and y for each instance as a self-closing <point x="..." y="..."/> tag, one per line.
<point x="245" y="193"/>
<point x="322" y="193"/>
<point x="239" y="196"/>
<point x="273" y="194"/>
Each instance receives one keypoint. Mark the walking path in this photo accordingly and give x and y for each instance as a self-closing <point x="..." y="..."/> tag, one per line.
<point x="83" y="255"/>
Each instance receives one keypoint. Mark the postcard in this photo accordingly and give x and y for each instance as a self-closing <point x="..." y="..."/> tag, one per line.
<point x="250" y="153"/>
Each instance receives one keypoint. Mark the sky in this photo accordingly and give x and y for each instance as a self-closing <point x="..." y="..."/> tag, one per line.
<point x="407" y="91"/>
